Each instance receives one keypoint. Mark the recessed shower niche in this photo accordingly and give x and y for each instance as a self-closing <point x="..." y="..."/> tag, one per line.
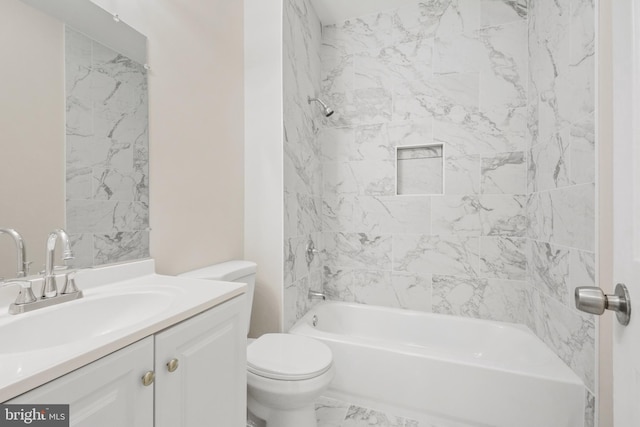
<point x="419" y="169"/>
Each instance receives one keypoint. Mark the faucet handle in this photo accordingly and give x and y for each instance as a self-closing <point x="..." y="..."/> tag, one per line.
<point x="26" y="295"/>
<point x="70" y="284"/>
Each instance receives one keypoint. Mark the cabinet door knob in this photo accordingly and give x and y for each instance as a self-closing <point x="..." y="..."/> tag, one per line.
<point x="172" y="365"/>
<point x="148" y="378"/>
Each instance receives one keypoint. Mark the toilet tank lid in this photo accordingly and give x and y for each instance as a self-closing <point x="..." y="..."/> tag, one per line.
<point x="228" y="271"/>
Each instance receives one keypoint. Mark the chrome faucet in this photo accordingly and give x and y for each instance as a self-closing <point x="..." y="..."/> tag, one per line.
<point x="23" y="265"/>
<point x="49" y="288"/>
<point x="50" y="295"/>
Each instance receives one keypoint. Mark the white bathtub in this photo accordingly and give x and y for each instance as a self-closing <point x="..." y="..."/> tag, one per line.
<point x="474" y="371"/>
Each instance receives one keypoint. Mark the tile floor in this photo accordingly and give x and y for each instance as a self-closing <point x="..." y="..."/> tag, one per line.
<point x="336" y="413"/>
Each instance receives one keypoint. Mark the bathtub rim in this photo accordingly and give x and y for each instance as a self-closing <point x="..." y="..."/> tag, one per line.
<point x="561" y="371"/>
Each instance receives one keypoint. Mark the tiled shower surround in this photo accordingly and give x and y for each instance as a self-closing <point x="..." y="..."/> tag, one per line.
<point x="452" y="73"/>
<point x="507" y="89"/>
<point x="302" y="157"/>
<point x="561" y="179"/>
<point x="107" y="152"/>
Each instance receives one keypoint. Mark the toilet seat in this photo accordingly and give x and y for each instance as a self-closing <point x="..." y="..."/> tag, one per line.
<point x="288" y="357"/>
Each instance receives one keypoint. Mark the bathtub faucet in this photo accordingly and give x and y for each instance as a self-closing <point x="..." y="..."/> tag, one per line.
<point x="316" y="294"/>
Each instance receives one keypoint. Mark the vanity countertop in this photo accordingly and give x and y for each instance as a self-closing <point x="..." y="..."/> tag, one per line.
<point x="122" y="304"/>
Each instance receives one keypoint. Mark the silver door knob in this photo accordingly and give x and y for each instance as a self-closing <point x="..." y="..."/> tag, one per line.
<point x="592" y="300"/>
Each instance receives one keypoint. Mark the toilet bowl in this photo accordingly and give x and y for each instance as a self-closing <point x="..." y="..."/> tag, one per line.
<point x="285" y="373"/>
<point x="285" y="376"/>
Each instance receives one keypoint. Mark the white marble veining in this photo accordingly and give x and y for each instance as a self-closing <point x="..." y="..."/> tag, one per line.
<point x="496" y="12"/>
<point x="507" y="88"/>
<point x="303" y="213"/>
<point x="332" y="412"/>
<point x="425" y="19"/>
<point x="568" y="158"/>
<point x="568" y="332"/>
<point x="565" y="216"/>
<point x="304" y="149"/>
<point x="557" y="270"/>
<point x="411" y="132"/>
<point x="549" y="266"/>
<point x="493" y="299"/>
<point x="107" y="153"/>
<point x="366" y="177"/>
<point x="121" y="246"/>
<point x="445" y="255"/>
<point x="358" y="250"/>
<point x="361" y="286"/>
<point x="339" y="413"/>
<point x="296" y="302"/>
<point x="563" y="67"/>
<point x="590" y="410"/>
<point x="561" y="179"/>
<point x="357" y="416"/>
<point x="384" y="288"/>
<point x="503" y="258"/>
<point x="487" y="215"/>
<point x="583" y="268"/>
<point x="504" y="173"/>
<point x="377" y="214"/>
<point x="462" y="174"/>
<point x="441" y="96"/>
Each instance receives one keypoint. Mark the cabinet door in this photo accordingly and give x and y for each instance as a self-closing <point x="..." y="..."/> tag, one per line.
<point x="105" y="393"/>
<point x="208" y="388"/>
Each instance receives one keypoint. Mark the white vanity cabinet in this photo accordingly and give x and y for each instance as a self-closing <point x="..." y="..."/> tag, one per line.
<point x="106" y="393"/>
<point x="208" y="387"/>
<point x="200" y="377"/>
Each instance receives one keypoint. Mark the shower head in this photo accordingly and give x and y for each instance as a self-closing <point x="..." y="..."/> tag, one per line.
<point x="325" y="110"/>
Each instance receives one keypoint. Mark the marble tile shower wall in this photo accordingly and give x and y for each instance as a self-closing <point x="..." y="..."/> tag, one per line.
<point x="448" y="72"/>
<point x="302" y="165"/>
<point x="561" y="179"/>
<point x="107" y="159"/>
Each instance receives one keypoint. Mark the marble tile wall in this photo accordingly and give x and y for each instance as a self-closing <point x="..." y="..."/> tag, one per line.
<point x="561" y="185"/>
<point x="302" y="165"/>
<point x="451" y="73"/>
<point x="507" y="88"/>
<point x="107" y="153"/>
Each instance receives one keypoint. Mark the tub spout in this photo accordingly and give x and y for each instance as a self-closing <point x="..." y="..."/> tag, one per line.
<point x="316" y="294"/>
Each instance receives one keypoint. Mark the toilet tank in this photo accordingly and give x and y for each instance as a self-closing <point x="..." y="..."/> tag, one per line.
<point x="231" y="271"/>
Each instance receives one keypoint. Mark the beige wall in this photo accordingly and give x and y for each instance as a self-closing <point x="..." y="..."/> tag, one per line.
<point x="32" y="123"/>
<point x="264" y="136"/>
<point x="196" y="127"/>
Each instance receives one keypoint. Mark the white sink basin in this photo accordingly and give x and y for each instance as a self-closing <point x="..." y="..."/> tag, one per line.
<point x="95" y="315"/>
<point x="122" y="304"/>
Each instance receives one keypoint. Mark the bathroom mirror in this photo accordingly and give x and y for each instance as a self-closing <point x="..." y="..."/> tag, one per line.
<point x="74" y="120"/>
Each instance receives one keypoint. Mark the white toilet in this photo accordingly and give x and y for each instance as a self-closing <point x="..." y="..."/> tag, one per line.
<point x="286" y="373"/>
